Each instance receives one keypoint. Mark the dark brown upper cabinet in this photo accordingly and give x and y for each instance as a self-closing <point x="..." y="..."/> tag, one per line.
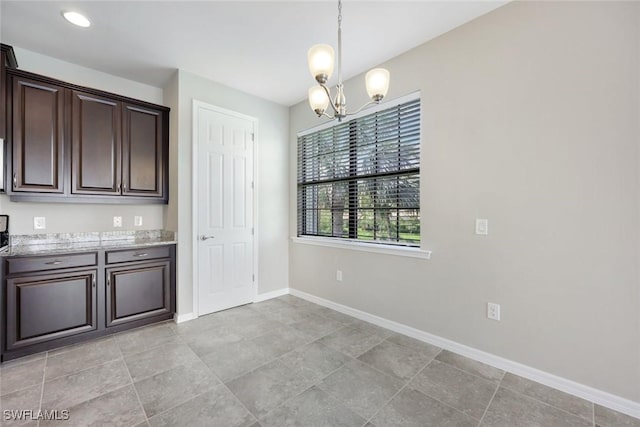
<point x="38" y="136"/>
<point x="117" y="148"/>
<point x="143" y="156"/>
<point x="7" y="60"/>
<point x="96" y="144"/>
<point x="75" y="144"/>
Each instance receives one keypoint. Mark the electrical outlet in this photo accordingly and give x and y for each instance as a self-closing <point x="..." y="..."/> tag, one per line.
<point x="482" y="227"/>
<point x="493" y="311"/>
<point x="39" y="223"/>
<point x="339" y="275"/>
<point x="117" y="221"/>
<point x="137" y="221"/>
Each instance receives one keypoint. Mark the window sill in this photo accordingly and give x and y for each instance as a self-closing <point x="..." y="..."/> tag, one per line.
<point x="364" y="247"/>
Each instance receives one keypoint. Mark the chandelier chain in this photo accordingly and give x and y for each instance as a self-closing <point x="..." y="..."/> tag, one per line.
<point x="339" y="42"/>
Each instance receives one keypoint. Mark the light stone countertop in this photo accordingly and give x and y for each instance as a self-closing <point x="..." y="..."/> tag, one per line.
<point x="53" y="244"/>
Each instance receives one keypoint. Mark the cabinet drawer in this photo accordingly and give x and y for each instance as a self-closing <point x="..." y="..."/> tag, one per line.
<point x="50" y="262"/>
<point x="140" y="254"/>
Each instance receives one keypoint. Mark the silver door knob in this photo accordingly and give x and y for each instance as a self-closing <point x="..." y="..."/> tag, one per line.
<point x="203" y="237"/>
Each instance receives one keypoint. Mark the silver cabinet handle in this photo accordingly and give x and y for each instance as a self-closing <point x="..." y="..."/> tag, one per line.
<point x="53" y="262"/>
<point x="141" y="255"/>
<point x="15" y="180"/>
<point x="203" y="237"/>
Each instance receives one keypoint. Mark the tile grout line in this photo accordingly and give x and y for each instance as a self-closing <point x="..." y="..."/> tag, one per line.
<point x="436" y="399"/>
<point x="96" y="340"/>
<point x="471" y="373"/>
<point x="263" y="364"/>
<point x="224" y="385"/>
<point x="315" y="383"/>
<point x="358" y="330"/>
<point x="179" y="402"/>
<point x="18" y="361"/>
<point x="504" y="374"/>
<point x="100" y="363"/>
<point x="144" y="412"/>
<point x="368" y="420"/>
<point x="387" y="374"/>
<point x="234" y="396"/>
<point x="59" y="351"/>
<point x="44" y="375"/>
<point x="294" y="349"/>
<point x="84" y="369"/>
<point x="545" y="403"/>
<point x="152" y="347"/>
<point x="484" y="414"/>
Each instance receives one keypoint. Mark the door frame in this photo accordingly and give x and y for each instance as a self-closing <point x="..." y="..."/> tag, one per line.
<point x="196" y="106"/>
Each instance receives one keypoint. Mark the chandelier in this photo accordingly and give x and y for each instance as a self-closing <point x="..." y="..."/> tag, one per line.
<point x="321" y="59"/>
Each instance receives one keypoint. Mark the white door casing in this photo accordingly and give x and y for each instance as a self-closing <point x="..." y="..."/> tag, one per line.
<point x="223" y="209"/>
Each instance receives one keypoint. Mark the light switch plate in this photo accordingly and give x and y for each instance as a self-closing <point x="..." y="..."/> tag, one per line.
<point x="137" y="221"/>
<point x="39" y="223"/>
<point x="482" y="227"/>
<point x="117" y="221"/>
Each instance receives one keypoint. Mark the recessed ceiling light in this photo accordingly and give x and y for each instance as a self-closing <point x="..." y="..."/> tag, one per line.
<point x="77" y="19"/>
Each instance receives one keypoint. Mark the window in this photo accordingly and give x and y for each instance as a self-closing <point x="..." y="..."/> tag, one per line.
<point x="360" y="179"/>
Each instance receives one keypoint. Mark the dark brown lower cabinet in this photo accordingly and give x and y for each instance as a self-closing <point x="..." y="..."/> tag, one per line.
<point x="45" y="307"/>
<point x="137" y="292"/>
<point x="54" y="300"/>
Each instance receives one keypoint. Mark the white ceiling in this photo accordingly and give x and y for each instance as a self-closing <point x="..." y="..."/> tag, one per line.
<point x="257" y="47"/>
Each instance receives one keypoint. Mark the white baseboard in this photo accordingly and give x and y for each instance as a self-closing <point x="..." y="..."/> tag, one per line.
<point x="600" y="397"/>
<point x="272" y="294"/>
<point x="184" y="317"/>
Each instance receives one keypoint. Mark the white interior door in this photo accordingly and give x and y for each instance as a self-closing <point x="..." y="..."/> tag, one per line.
<point x="225" y="210"/>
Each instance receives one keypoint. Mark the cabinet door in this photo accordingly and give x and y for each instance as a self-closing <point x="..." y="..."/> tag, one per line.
<point x="143" y="153"/>
<point x="136" y="292"/>
<point x="47" y="307"/>
<point x="7" y="59"/>
<point x="3" y="91"/>
<point x="38" y="135"/>
<point x="96" y="144"/>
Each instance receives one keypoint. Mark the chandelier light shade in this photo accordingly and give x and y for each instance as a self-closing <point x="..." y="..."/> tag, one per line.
<point x="377" y="81"/>
<point x="318" y="100"/>
<point x="321" y="58"/>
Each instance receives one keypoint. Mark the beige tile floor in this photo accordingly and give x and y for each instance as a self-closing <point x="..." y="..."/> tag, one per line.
<point x="282" y="362"/>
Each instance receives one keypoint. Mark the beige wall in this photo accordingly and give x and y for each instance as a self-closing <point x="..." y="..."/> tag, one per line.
<point x="63" y="217"/>
<point x="272" y="177"/>
<point x="530" y="119"/>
